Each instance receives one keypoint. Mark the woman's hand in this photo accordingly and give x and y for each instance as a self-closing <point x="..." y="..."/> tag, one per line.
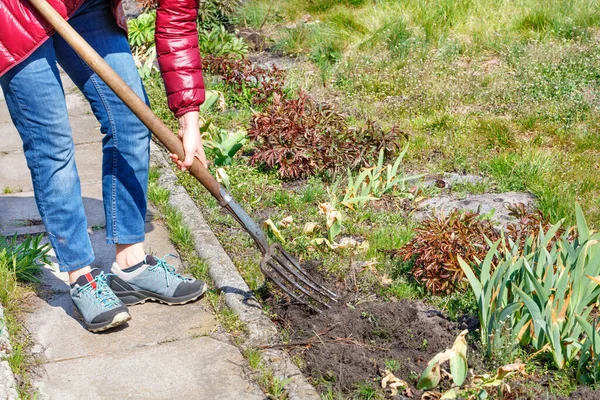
<point x="189" y="134"/>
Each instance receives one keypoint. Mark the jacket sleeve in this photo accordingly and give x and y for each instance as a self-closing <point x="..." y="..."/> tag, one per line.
<point x="178" y="54"/>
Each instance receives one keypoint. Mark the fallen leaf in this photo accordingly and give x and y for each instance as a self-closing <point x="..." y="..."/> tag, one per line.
<point x="320" y="241"/>
<point x="386" y="280"/>
<point x="393" y="382"/>
<point x="309" y="227"/>
<point x="271" y="226"/>
<point x="333" y="216"/>
<point x="324" y="208"/>
<point x="287" y="221"/>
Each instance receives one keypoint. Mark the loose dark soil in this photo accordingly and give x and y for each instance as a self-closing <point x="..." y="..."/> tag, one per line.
<point x="348" y="345"/>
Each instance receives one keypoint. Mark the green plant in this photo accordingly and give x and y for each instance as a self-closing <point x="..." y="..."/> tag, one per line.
<point x="456" y="356"/>
<point x="140" y="30"/>
<point x="371" y="183"/>
<point x="24" y="258"/>
<point x="144" y="60"/>
<point x="214" y="13"/>
<point x="218" y="42"/>
<point x="537" y="290"/>
<point x="588" y="369"/>
<point x="141" y="39"/>
<point x="225" y="145"/>
<point x="392" y="365"/>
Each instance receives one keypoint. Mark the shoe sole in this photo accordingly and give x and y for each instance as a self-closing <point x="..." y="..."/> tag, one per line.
<point x="117" y="320"/>
<point x="132" y="298"/>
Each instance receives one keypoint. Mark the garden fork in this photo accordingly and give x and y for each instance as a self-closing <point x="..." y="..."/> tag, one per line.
<point x="280" y="267"/>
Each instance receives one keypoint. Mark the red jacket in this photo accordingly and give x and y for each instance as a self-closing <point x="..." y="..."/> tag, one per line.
<point x="22" y="31"/>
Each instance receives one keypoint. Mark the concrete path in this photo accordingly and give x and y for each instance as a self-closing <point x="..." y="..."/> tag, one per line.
<point x="163" y="352"/>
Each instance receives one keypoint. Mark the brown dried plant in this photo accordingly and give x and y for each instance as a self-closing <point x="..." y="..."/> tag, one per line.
<point x="441" y="238"/>
<point x="301" y="137"/>
<point x="438" y="243"/>
<point x="255" y="84"/>
<point x="528" y="223"/>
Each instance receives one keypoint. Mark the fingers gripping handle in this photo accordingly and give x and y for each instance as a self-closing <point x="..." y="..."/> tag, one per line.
<point x="126" y="94"/>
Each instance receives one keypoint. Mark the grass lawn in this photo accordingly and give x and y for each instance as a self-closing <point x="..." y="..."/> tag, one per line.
<point x="507" y="89"/>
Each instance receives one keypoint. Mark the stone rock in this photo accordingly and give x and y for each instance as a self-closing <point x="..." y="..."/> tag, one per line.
<point x="482" y="204"/>
<point x="449" y="180"/>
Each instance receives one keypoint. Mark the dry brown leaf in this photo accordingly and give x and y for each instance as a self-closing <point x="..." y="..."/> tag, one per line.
<point x="393" y="382"/>
<point x="287" y="221"/>
<point x="309" y="227"/>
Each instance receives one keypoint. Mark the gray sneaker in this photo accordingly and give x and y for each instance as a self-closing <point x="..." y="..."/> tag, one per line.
<point x="95" y="303"/>
<point x="154" y="279"/>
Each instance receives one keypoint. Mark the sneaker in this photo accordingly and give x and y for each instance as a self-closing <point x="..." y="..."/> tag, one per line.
<point x="154" y="279"/>
<point x="95" y="303"/>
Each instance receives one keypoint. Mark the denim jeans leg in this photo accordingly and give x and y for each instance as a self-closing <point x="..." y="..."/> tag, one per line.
<point x="36" y="102"/>
<point x="126" y="142"/>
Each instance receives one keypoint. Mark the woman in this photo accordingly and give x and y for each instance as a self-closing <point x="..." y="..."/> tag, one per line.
<point x="29" y="77"/>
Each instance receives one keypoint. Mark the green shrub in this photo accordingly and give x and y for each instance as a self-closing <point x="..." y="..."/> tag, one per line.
<point x="219" y="42"/>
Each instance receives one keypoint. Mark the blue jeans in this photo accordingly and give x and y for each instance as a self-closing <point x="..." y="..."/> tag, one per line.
<point x="35" y="98"/>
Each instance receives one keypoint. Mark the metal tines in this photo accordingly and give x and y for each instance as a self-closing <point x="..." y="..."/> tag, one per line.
<point x="285" y="271"/>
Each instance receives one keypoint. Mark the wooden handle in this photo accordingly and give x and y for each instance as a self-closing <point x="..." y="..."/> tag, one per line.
<point x="125" y="93"/>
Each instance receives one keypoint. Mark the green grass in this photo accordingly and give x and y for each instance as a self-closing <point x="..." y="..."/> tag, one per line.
<point x="508" y="89"/>
<point x="20" y="260"/>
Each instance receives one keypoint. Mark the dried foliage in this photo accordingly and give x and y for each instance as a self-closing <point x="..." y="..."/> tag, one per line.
<point x="255" y="84"/>
<point x="301" y="137"/>
<point x="528" y="223"/>
<point x="438" y="243"/>
<point x="441" y="239"/>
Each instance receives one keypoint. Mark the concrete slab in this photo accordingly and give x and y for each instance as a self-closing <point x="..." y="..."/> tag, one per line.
<point x="184" y="372"/>
<point x="86" y="129"/>
<point x="19" y="214"/>
<point x="483" y="204"/>
<point x="62" y="337"/>
<point x="15" y="174"/>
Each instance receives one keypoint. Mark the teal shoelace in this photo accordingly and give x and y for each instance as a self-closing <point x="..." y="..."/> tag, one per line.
<point x="167" y="269"/>
<point x="101" y="294"/>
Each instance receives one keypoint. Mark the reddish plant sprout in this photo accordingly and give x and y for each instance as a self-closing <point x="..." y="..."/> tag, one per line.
<point x="301" y="137"/>
<point x="260" y="84"/>
<point x="438" y="243"/>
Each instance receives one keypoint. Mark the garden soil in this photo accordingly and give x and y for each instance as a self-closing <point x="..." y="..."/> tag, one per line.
<point x="346" y="346"/>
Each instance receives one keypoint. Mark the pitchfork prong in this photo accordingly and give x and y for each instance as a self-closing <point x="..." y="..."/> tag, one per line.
<point x="315" y="285"/>
<point x="301" y="278"/>
<point x="278" y="267"/>
<point x="287" y="291"/>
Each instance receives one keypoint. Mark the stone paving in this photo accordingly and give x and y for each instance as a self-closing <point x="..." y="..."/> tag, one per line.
<point x="163" y="352"/>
